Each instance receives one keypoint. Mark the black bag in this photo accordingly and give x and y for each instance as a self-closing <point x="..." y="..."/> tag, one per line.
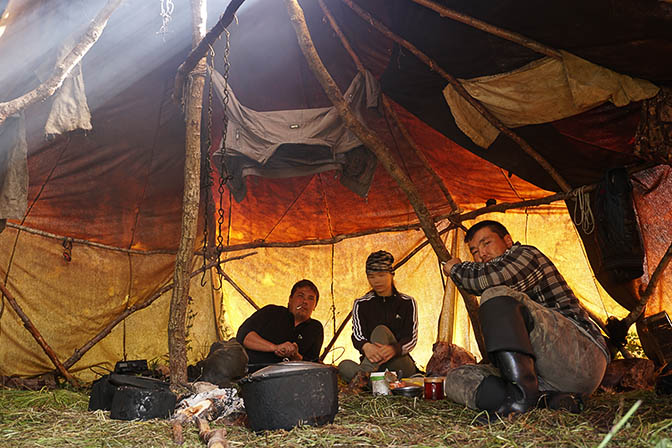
<point x="618" y="236"/>
<point x="130" y="397"/>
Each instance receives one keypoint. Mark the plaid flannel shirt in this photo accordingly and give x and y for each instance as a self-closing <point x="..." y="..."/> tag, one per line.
<point x="525" y="269"/>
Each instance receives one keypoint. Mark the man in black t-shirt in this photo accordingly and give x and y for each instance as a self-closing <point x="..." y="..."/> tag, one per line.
<point x="274" y="332"/>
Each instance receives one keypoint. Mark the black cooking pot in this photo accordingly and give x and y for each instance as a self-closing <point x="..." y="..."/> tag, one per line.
<point x="290" y="393"/>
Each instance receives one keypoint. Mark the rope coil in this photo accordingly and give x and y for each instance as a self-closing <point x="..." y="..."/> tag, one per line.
<point x="583" y="215"/>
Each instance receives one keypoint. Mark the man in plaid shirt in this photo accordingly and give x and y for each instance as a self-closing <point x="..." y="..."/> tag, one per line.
<point x="544" y="347"/>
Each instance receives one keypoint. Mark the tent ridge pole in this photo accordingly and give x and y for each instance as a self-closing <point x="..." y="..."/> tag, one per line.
<point x="373" y="143"/>
<point x="562" y="183"/>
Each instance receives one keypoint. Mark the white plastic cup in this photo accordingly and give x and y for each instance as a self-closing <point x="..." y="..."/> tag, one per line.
<point x="379" y="384"/>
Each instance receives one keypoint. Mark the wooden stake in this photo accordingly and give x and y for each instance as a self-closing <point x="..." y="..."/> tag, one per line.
<point x="28" y="324"/>
<point x="63" y="68"/>
<point x="77" y="355"/>
<point x="373" y="143"/>
<point x="177" y="347"/>
<point x="562" y="183"/>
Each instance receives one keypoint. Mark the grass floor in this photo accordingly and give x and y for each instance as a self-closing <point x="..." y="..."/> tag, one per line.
<point x="59" y="418"/>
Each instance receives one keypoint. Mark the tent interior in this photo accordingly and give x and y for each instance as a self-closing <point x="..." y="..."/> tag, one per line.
<point x="93" y="175"/>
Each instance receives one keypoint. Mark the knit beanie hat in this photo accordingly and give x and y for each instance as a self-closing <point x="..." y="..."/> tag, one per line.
<point x="379" y="261"/>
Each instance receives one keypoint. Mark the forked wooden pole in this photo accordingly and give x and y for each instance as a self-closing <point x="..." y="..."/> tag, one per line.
<point x="374" y="143"/>
<point x="38" y="337"/>
<point x="199" y="50"/>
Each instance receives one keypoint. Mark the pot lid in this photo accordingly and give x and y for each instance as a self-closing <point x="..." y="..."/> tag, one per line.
<point x="287" y="367"/>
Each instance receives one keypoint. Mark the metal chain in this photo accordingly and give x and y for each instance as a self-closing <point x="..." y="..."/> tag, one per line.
<point x="206" y="170"/>
<point x="224" y="172"/>
<point x="167" y="8"/>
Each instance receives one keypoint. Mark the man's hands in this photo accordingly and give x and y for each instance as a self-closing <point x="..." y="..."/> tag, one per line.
<point x="288" y="350"/>
<point x="378" y="353"/>
<point x="447" y="265"/>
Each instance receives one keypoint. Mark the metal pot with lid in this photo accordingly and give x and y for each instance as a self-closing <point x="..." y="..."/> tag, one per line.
<point x="290" y="393"/>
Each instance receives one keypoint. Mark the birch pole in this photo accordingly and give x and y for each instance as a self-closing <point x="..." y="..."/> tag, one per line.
<point x="64" y="67"/>
<point x="376" y="145"/>
<point x="177" y="347"/>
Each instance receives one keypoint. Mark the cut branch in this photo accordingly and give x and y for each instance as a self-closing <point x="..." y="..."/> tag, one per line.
<point x="77" y="355"/>
<point x="28" y="324"/>
<point x="199" y="51"/>
<point x="374" y="143"/>
<point x="491" y="29"/>
<point x="562" y="183"/>
<point x="64" y="67"/>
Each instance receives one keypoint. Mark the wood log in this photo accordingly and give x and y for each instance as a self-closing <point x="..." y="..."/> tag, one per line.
<point x="214" y="438"/>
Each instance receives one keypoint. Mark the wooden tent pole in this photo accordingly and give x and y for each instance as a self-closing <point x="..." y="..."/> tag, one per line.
<point x="562" y="183"/>
<point x="245" y="296"/>
<point x="407" y="136"/>
<point x="336" y="335"/>
<point x="373" y="143"/>
<point x="201" y="48"/>
<point x="386" y="104"/>
<point x="77" y="355"/>
<point x="28" y="324"/>
<point x="64" y="67"/>
<point x="490" y="29"/>
<point x="177" y="347"/>
<point x="653" y="281"/>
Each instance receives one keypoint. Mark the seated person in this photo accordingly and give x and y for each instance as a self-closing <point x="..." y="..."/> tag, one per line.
<point x="384" y="324"/>
<point x="544" y="347"/>
<point x="275" y="333"/>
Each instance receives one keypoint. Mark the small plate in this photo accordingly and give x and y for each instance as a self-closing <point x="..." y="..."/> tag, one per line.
<point x="408" y="391"/>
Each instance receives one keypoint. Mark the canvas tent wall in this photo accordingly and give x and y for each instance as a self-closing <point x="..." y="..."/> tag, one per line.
<point x="119" y="185"/>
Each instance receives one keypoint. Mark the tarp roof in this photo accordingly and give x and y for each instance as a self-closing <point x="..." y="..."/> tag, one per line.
<point x="120" y="184"/>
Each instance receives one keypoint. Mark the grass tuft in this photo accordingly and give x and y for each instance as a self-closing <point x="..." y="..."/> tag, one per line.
<point x="59" y="418"/>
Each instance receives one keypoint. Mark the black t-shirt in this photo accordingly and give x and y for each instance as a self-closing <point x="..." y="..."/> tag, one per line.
<point x="276" y="324"/>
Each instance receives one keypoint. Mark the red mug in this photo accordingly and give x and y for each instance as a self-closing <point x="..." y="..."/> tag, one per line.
<point x="433" y="388"/>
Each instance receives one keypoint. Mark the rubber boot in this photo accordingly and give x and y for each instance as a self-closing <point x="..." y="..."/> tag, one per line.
<point x="518" y="370"/>
<point x="562" y="401"/>
<point x="506" y="325"/>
